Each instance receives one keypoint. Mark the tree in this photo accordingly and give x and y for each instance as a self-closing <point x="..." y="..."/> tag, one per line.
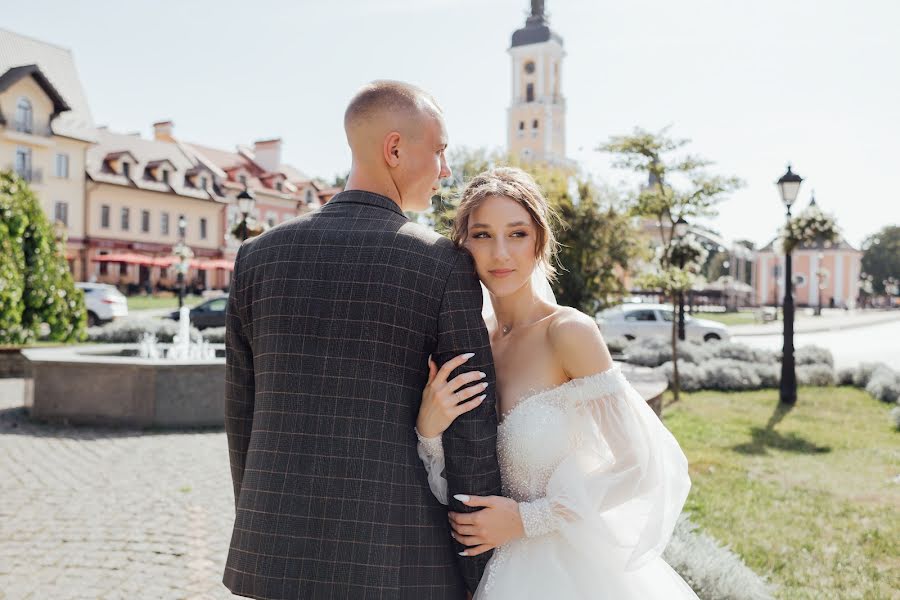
<point x="881" y="257"/>
<point x="678" y="188"/>
<point x="36" y="287"/>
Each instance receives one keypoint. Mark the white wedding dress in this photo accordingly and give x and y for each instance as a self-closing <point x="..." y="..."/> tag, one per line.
<point x="600" y="483"/>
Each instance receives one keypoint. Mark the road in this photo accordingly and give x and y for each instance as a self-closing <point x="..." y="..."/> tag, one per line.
<point x="879" y="342"/>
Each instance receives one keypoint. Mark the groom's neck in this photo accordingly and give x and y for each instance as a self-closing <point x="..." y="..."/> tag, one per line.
<point x="368" y="182"/>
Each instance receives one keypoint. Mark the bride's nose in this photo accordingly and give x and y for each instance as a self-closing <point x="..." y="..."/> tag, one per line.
<point x="501" y="252"/>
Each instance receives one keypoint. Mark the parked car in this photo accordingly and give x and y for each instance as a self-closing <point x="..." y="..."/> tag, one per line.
<point x="206" y="314"/>
<point x="640" y="321"/>
<point x="103" y="302"/>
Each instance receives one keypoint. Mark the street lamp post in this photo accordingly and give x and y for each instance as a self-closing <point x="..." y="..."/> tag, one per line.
<point x="184" y="253"/>
<point x="821" y="274"/>
<point x="789" y="187"/>
<point x="246" y="202"/>
<point x="681" y="228"/>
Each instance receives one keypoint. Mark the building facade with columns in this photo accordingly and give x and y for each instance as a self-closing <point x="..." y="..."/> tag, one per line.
<point x="826" y="273"/>
<point x="536" y="117"/>
<point x="45" y="131"/>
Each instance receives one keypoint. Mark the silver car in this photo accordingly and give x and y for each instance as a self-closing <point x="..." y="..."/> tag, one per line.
<point x="103" y="302"/>
<point x="640" y="321"/>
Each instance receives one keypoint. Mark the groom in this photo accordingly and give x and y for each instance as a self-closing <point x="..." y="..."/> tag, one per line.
<point x="330" y="322"/>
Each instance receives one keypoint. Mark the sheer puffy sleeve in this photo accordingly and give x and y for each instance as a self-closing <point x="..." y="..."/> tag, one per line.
<point x="431" y="451"/>
<point x="619" y="492"/>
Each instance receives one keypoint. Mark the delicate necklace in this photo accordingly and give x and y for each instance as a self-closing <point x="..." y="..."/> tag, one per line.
<point x="506" y="329"/>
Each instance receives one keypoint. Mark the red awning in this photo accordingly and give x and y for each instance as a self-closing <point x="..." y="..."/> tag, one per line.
<point x="126" y="257"/>
<point x="218" y="263"/>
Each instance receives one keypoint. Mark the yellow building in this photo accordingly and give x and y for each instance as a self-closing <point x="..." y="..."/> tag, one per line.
<point x="537" y="113"/>
<point x="45" y="130"/>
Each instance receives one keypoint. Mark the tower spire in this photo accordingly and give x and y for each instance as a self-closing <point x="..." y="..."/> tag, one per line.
<point x="537" y="8"/>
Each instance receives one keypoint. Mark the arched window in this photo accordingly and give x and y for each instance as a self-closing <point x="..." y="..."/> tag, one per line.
<point x="534" y="124"/>
<point x="24" y="116"/>
<point x="529" y="67"/>
<point x="521" y="125"/>
<point x="529" y="92"/>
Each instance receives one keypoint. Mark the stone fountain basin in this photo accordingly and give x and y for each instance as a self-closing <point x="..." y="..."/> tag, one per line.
<point x="108" y="384"/>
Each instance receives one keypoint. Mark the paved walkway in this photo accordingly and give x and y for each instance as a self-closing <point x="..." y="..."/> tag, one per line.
<point x="830" y="320"/>
<point x="103" y="513"/>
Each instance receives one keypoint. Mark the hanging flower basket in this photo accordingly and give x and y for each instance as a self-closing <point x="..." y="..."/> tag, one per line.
<point x="812" y="226"/>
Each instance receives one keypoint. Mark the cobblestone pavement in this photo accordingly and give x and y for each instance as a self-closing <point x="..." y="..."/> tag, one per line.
<point x="106" y="513"/>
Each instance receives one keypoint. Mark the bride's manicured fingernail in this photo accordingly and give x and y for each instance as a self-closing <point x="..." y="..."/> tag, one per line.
<point x="469" y="355"/>
<point x="480" y="398"/>
<point x="463" y="553"/>
<point x="461" y="497"/>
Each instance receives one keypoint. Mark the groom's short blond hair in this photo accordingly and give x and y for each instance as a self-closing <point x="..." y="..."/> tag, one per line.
<point x="384" y="97"/>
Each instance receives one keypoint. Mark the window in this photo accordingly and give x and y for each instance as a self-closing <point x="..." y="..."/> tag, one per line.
<point x="164" y="224"/>
<point x="124" y="219"/>
<point x="145" y="221"/>
<point x="104" y="266"/>
<point x="529" y="67"/>
<point x="202" y="229"/>
<point x="61" y="213"/>
<point x="641" y="315"/>
<point x="62" y="166"/>
<point x="165" y="176"/>
<point x="278" y="185"/>
<point x="534" y="124"/>
<point x="104" y="216"/>
<point x="309" y="197"/>
<point x="24" y="116"/>
<point x="242" y="179"/>
<point x="23" y="163"/>
<point x="203" y="182"/>
<point x="521" y="125"/>
<point x="667" y="315"/>
<point x="126" y="169"/>
<point x="182" y="226"/>
<point x="529" y="92"/>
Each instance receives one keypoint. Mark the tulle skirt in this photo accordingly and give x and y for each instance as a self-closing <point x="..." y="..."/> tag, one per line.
<point x="549" y="567"/>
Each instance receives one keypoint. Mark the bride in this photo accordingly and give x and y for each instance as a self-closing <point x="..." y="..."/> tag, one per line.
<point x="592" y="481"/>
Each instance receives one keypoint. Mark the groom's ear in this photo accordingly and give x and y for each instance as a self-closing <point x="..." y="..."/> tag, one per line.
<point x="392" y="149"/>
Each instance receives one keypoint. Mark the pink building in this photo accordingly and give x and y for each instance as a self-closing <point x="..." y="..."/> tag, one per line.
<point x="827" y="272"/>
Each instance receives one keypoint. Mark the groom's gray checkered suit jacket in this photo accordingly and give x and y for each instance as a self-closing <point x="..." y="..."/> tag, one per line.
<point x="331" y="319"/>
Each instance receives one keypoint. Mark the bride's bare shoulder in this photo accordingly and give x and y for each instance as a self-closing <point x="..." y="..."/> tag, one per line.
<point x="577" y="344"/>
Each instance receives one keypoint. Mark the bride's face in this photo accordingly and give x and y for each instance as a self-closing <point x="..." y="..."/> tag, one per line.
<point x="502" y="239"/>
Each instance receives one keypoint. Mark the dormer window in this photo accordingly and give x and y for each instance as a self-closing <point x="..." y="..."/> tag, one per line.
<point x="203" y="182"/>
<point x="126" y="169"/>
<point x="279" y="186"/>
<point x="309" y="197"/>
<point x="243" y="180"/>
<point x="165" y="176"/>
<point x="24" y="116"/>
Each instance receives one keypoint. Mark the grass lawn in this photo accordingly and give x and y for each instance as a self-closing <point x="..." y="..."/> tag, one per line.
<point x="808" y="497"/>
<point x="145" y="302"/>
<point x="736" y="318"/>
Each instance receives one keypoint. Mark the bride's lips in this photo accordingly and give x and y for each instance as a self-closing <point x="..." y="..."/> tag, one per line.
<point x="501" y="272"/>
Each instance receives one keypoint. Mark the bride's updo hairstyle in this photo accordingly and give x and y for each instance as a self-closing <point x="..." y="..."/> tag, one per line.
<point x="519" y="186"/>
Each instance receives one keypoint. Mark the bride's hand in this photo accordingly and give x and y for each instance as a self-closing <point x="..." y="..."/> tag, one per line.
<point x="496" y="524"/>
<point x="443" y="401"/>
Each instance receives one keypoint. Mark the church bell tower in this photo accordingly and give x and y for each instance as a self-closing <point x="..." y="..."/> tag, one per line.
<point x="537" y="113"/>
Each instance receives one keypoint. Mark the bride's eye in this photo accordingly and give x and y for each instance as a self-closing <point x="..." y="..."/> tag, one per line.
<point x="480" y="235"/>
<point x="519" y="234"/>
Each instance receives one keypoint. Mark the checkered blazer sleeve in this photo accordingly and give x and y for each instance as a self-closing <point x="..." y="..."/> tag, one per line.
<point x="470" y="444"/>
<point x="239" y="382"/>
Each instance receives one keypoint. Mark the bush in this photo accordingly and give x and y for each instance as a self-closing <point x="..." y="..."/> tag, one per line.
<point x="815" y="374"/>
<point x="864" y="372"/>
<point x="741" y="352"/>
<point x="713" y="571"/>
<point x="36" y="288"/>
<point x="692" y="377"/>
<point x="884" y="384"/>
<point x="895" y="416"/>
<point x="130" y="331"/>
<point x="813" y="355"/>
<point x="214" y="335"/>
<point x="845" y="376"/>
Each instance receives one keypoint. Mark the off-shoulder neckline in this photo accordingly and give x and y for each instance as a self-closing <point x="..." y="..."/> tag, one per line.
<point x="571" y="383"/>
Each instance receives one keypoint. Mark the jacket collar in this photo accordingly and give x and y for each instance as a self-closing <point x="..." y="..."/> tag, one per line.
<point x="369" y="198"/>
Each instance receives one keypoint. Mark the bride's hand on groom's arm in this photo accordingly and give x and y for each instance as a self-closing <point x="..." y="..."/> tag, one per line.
<point x="497" y="523"/>
<point x="443" y="401"/>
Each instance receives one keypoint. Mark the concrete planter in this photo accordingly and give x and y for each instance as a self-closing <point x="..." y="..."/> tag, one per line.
<point x="109" y="385"/>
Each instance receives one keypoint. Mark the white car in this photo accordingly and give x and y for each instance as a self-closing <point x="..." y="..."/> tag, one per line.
<point x="103" y="302"/>
<point x="640" y="321"/>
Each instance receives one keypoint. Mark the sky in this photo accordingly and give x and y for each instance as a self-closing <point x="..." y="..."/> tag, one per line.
<point x="753" y="85"/>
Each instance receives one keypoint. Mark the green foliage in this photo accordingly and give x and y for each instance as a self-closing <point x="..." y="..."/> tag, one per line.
<point x="36" y="286"/>
<point x="881" y="257"/>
